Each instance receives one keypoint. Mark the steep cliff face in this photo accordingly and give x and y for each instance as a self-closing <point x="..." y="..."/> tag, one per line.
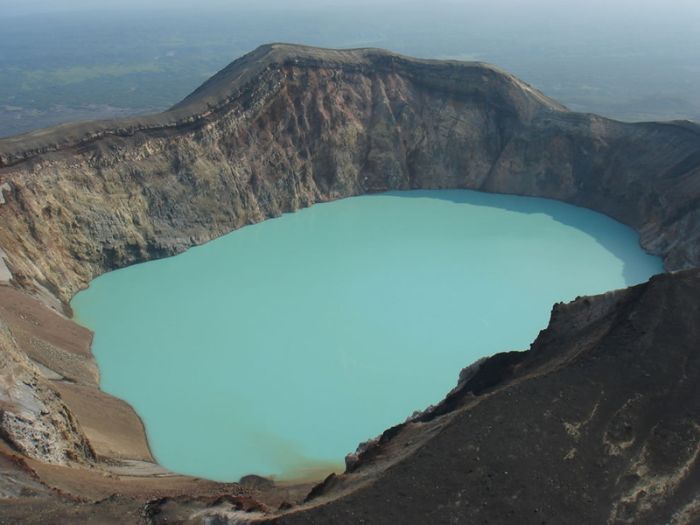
<point x="288" y="126"/>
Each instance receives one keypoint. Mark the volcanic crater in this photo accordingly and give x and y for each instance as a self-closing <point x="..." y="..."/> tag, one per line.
<point x="599" y="421"/>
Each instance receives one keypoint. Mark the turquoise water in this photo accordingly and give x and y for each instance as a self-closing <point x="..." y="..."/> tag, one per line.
<point x="276" y="349"/>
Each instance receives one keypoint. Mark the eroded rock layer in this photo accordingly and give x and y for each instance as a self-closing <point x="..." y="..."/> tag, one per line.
<point x="598" y="422"/>
<point x="288" y="126"/>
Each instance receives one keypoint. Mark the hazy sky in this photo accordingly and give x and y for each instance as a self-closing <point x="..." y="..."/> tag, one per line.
<point x="647" y="18"/>
<point x="599" y="7"/>
<point x="631" y="59"/>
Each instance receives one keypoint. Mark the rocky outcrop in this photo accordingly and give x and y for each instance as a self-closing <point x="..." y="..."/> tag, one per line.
<point x="598" y="422"/>
<point x="33" y="418"/>
<point x="287" y="126"/>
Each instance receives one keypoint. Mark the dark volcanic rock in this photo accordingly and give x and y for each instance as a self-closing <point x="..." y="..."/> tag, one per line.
<point x="598" y="423"/>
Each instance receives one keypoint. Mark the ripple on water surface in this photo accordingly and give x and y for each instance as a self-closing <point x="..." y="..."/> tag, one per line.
<point x="276" y="349"/>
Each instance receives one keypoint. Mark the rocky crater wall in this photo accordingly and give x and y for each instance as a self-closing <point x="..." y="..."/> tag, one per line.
<point x="288" y="126"/>
<point x="285" y="127"/>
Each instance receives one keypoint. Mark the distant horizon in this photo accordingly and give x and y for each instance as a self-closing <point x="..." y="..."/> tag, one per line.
<point x="627" y="7"/>
<point x="72" y="60"/>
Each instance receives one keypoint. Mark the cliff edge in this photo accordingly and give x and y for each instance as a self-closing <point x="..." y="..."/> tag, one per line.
<point x="287" y="126"/>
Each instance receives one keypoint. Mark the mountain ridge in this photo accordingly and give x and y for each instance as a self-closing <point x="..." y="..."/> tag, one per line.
<point x="211" y="96"/>
<point x="339" y="123"/>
